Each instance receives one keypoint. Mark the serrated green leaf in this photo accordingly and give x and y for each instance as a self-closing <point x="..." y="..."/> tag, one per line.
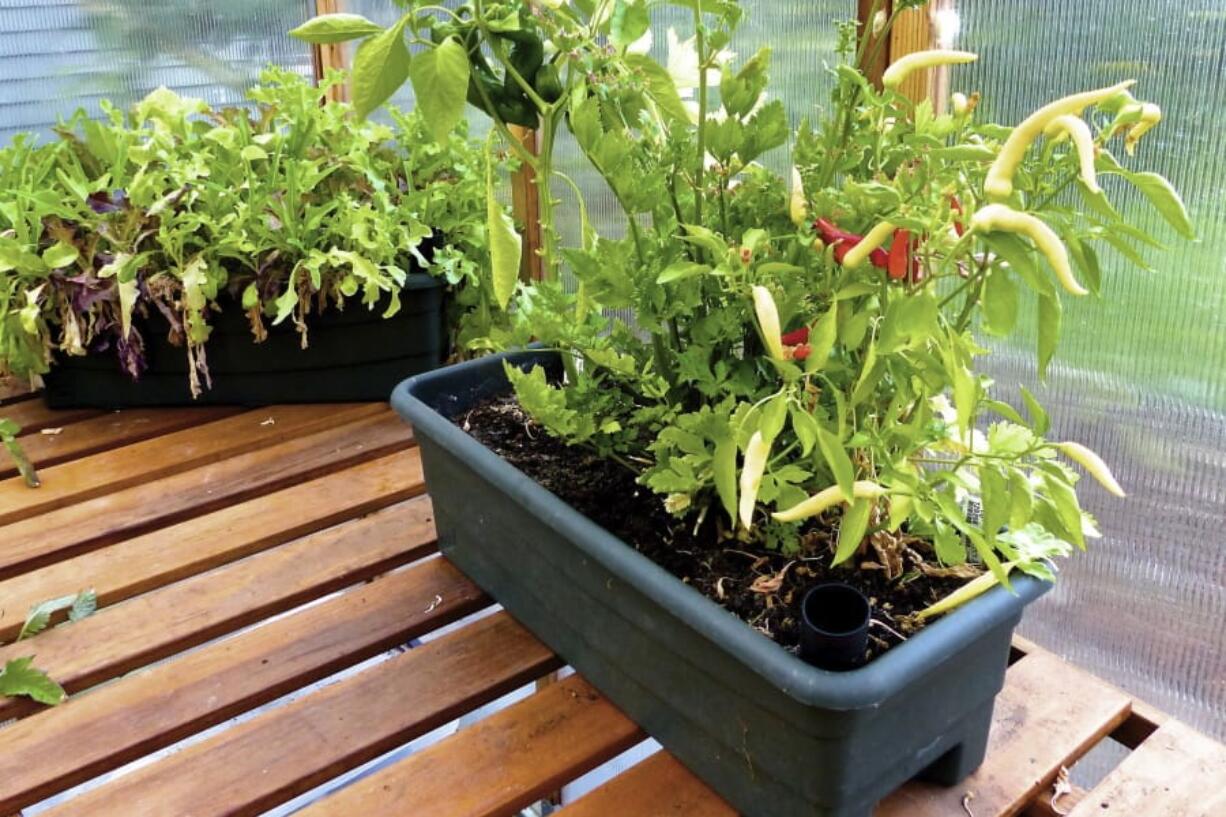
<point x="18" y="677"/>
<point x="440" y="82"/>
<point x="335" y="28"/>
<point x="630" y="21"/>
<point x="660" y="86"/>
<point x="84" y="605"/>
<point x="40" y="614"/>
<point x="379" y="68"/>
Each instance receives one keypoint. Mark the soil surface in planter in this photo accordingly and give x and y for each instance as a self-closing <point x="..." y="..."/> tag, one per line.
<point x="762" y="587"/>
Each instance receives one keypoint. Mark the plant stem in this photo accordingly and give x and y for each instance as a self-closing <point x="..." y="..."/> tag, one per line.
<point x="700" y="40"/>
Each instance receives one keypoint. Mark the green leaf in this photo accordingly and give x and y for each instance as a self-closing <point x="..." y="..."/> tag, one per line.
<point x="836" y="458"/>
<point x="950" y="547"/>
<point x="60" y="255"/>
<point x="379" y="68"/>
<point x="821" y="339"/>
<point x="774" y="415"/>
<point x="84" y="605"/>
<point x="723" y="466"/>
<point x="660" y="87"/>
<point x="1021" y="500"/>
<point x="440" y="82"/>
<point x="1086" y="260"/>
<point x="1038" y="415"/>
<point x="506" y="246"/>
<point x="1048" y="330"/>
<point x="995" y="500"/>
<point x="1000" y="301"/>
<point x="335" y="28"/>
<point x="19" y="678"/>
<point x="253" y="153"/>
<point x="852" y="529"/>
<point x="1064" y="498"/>
<point x="630" y="21"/>
<point x="681" y="270"/>
<point x="40" y="616"/>
<point x="805" y="427"/>
<point x="1165" y="199"/>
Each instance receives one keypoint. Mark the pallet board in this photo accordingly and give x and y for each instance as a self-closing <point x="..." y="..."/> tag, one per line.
<point x="240" y="556"/>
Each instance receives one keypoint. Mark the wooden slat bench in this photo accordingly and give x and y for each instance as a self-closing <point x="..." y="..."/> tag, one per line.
<point x="275" y="564"/>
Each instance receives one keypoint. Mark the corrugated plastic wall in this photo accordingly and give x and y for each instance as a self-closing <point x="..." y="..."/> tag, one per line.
<point x="1141" y="373"/>
<point x="58" y="55"/>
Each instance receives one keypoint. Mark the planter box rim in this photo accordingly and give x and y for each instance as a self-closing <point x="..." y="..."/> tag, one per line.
<point x="867" y="686"/>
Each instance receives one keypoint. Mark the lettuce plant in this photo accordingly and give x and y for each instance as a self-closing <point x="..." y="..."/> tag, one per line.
<point x="802" y="352"/>
<point x="155" y="219"/>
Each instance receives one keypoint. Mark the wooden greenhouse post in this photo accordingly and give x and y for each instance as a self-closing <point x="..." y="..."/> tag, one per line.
<point x="525" y="203"/>
<point x="331" y="55"/>
<point x="915" y="30"/>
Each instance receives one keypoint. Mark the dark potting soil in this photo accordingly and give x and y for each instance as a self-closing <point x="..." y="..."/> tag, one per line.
<point x="760" y="586"/>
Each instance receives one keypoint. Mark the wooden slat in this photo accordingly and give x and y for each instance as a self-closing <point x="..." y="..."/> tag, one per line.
<point x="109" y="431"/>
<point x="1177" y="772"/>
<point x="658" y="785"/>
<point x="33" y="416"/>
<point x="171" y="619"/>
<point x="88" y="525"/>
<point x="166" y="555"/>
<point x="500" y="765"/>
<point x="12" y="390"/>
<point x="334" y="729"/>
<point x="155" y="707"/>
<point x="141" y="462"/>
<point x="1048" y="715"/>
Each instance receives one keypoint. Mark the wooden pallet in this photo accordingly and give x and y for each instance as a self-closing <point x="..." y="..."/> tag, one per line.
<point x="311" y="522"/>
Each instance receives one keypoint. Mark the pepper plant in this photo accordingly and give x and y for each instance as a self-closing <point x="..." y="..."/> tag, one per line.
<point x="803" y="350"/>
<point x="175" y="211"/>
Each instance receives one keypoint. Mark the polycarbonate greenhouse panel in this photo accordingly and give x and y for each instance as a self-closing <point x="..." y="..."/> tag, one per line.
<point x="58" y="55"/>
<point x="1140" y="375"/>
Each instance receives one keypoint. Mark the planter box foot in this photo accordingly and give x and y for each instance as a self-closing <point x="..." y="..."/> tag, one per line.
<point x="962" y="760"/>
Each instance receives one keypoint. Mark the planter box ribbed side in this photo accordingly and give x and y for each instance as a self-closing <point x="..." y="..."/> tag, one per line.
<point x="353" y="355"/>
<point x="773" y="735"/>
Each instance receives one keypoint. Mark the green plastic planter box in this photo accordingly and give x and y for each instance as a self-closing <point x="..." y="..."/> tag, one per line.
<point x="773" y="735"/>
<point x="354" y="355"/>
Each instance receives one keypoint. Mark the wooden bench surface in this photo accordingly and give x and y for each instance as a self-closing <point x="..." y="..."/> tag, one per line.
<point x="241" y="557"/>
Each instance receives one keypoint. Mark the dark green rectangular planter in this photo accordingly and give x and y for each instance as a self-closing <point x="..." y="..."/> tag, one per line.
<point x="773" y="735"/>
<point x="353" y="355"/>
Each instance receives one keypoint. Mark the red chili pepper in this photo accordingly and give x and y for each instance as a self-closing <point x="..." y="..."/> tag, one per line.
<point x="899" y="251"/>
<point x="796" y="336"/>
<point x="801" y="351"/>
<point x="956" y="206"/>
<point x="843" y="241"/>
